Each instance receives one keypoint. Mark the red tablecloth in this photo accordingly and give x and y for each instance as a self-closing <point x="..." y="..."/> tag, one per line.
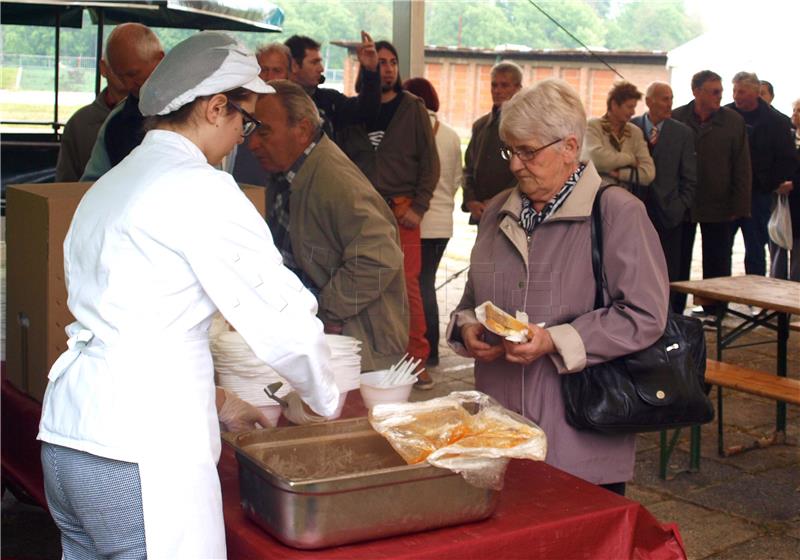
<point x="542" y="513"/>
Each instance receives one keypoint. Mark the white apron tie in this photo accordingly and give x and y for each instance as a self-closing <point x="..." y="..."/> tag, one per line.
<point x="79" y="337"/>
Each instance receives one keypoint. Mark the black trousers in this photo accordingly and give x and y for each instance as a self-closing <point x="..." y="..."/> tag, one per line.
<point x="673" y="251"/>
<point x="432" y="252"/>
<point x="717" y="249"/>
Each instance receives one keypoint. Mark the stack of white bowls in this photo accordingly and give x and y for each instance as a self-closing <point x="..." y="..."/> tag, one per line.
<point x="240" y="371"/>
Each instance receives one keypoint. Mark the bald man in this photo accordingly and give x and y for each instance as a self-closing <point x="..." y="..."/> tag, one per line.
<point x="133" y="52"/>
<point x="671" y="194"/>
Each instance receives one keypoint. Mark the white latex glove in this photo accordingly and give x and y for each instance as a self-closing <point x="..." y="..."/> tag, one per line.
<point x="239" y="416"/>
<point x="299" y="413"/>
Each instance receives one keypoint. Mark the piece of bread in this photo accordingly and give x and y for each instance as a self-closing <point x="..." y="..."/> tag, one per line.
<point x="501" y="323"/>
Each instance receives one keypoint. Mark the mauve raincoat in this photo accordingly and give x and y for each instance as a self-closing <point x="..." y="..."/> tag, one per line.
<point x="550" y="277"/>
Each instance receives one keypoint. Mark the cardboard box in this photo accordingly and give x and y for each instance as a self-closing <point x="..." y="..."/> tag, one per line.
<point x="37" y="219"/>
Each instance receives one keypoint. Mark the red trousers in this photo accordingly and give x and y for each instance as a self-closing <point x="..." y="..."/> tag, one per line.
<point x="418" y="345"/>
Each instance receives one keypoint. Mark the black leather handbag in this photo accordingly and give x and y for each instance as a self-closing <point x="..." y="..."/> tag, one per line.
<point x="658" y="388"/>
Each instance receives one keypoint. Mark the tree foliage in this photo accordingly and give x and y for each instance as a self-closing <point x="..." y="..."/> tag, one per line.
<point x="652" y="26"/>
<point x="615" y="24"/>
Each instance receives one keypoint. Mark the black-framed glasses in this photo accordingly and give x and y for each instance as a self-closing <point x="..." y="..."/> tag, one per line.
<point x="249" y="122"/>
<point x="524" y="154"/>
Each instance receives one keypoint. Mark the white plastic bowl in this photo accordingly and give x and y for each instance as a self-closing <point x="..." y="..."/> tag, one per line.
<point x="372" y="393"/>
<point x="338" y="412"/>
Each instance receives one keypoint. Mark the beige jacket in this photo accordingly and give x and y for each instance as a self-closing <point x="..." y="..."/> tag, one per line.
<point x="598" y="147"/>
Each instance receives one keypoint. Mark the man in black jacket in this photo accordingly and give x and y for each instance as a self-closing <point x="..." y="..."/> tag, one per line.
<point x="486" y="173"/>
<point x="773" y="162"/>
<point x="337" y="110"/>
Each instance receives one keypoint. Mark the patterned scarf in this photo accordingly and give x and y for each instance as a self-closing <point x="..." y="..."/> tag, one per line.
<point x="530" y="218"/>
<point x="278" y="215"/>
<point x="608" y="130"/>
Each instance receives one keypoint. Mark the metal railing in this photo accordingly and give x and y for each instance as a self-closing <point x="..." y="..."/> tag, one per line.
<point x="46" y="61"/>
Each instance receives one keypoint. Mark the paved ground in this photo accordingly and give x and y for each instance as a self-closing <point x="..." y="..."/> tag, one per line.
<point x="741" y="507"/>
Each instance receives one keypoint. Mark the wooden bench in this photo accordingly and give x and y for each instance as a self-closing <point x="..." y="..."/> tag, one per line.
<point x="754" y="382"/>
<point x="746" y="380"/>
<point x="794" y="326"/>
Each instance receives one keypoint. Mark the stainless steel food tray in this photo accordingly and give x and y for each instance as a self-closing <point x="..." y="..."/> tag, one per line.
<point x="341" y="482"/>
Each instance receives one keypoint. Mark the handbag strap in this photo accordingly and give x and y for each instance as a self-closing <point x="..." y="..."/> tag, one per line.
<point x="634" y="177"/>
<point x="597" y="249"/>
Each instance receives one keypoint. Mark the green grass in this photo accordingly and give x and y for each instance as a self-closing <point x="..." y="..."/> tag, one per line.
<point x="42" y="79"/>
<point x="8" y="78"/>
<point x="35" y="112"/>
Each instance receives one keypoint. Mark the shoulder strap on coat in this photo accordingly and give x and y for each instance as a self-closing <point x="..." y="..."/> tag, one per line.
<point x="597" y="249"/>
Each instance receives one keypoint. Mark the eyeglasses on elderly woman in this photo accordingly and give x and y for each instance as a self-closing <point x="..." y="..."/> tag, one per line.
<point x="524" y="154"/>
<point x="249" y="122"/>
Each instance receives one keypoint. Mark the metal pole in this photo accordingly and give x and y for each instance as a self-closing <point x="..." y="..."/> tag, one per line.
<point x="99" y="50"/>
<point x="408" y="36"/>
<point x="58" y="57"/>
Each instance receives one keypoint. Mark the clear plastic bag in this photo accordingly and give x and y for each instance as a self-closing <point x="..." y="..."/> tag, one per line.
<point x="467" y="432"/>
<point x="780" y="223"/>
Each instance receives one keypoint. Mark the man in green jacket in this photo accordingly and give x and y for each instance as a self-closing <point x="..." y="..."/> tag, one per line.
<point x="397" y="153"/>
<point x="332" y="228"/>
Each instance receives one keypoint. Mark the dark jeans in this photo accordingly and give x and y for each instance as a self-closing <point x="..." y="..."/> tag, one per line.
<point x="432" y="251"/>
<point x="717" y="249"/>
<point x="754" y="231"/>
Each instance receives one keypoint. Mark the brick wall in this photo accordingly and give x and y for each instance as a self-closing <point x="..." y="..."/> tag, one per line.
<point x="463" y="83"/>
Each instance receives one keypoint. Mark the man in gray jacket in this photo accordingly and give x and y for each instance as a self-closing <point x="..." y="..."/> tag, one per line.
<point x="723" y="176"/>
<point x="670" y="196"/>
<point x="332" y="228"/>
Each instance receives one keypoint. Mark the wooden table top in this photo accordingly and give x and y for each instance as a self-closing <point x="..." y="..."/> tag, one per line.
<point x="759" y="291"/>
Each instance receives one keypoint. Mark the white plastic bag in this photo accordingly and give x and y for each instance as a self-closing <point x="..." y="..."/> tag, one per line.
<point x="467" y="432"/>
<point x="780" y="223"/>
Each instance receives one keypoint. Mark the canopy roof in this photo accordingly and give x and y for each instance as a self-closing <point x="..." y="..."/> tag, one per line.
<point x="230" y="15"/>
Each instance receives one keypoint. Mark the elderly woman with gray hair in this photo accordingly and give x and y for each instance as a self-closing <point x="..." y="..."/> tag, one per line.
<point x="533" y="254"/>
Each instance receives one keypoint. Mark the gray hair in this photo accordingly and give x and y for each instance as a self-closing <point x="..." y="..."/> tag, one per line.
<point x="134" y="36"/>
<point x="549" y="110"/>
<point x="651" y="89"/>
<point x="748" y="79"/>
<point x="298" y="105"/>
<point x="508" y="67"/>
<point x="278" y="48"/>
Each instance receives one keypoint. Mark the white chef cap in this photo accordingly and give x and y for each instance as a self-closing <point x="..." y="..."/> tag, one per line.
<point x="206" y="63"/>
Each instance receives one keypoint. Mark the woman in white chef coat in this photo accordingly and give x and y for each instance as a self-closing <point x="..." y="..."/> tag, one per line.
<point x="129" y="424"/>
